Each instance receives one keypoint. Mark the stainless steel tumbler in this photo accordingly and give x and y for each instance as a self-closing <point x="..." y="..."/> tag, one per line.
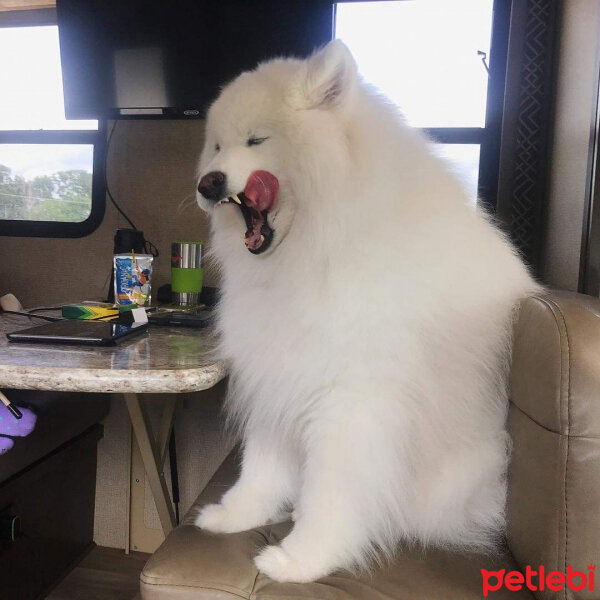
<point x="186" y="272"/>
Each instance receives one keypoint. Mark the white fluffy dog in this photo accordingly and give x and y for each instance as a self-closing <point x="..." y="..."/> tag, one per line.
<point x="366" y="312"/>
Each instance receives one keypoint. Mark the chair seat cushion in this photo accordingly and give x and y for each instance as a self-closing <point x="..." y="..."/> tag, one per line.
<point x="193" y="564"/>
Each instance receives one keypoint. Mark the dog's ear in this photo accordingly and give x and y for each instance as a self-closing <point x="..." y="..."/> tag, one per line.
<point x="330" y="77"/>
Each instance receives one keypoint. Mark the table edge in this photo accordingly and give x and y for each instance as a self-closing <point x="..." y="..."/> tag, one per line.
<point x="137" y="381"/>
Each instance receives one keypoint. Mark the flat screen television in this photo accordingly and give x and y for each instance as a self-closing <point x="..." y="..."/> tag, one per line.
<point x="168" y="58"/>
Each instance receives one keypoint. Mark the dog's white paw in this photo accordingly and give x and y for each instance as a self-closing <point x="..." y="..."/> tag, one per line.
<point x="219" y="518"/>
<point x="277" y="564"/>
<point x="215" y="518"/>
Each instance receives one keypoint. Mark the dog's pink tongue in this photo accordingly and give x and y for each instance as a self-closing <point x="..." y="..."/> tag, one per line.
<point x="261" y="190"/>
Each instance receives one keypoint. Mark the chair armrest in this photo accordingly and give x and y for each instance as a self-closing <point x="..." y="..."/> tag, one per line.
<point x="554" y="421"/>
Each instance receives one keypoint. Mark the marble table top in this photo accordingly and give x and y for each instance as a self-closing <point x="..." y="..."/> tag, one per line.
<point x="162" y="360"/>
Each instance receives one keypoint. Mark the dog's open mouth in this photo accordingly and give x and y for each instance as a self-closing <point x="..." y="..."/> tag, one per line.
<point x="256" y="201"/>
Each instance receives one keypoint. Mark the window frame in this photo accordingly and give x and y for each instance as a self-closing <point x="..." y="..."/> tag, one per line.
<point x="95" y="138"/>
<point x="489" y="156"/>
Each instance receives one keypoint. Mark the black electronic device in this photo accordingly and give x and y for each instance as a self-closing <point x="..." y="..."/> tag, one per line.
<point x="151" y="58"/>
<point x="74" y="331"/>
<point x="183" y="318"/>
<point x="126" y="240"/>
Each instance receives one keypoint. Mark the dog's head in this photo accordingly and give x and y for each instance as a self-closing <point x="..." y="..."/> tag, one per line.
<point x="276" y="145"/>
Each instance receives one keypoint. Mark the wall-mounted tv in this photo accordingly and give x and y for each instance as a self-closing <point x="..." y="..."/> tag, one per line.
<point x="168" y="58"/>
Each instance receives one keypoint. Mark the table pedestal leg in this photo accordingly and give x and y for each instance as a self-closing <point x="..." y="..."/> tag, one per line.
<point x="154" y="452"/>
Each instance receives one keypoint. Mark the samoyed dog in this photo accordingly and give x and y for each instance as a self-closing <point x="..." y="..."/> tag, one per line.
<point x="366" y="311"/>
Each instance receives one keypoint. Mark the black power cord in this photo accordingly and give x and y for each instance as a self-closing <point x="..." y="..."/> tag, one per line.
<point x="30" y="315"/>
<point x="108" y="192"/>
<point x="149" y="247"/>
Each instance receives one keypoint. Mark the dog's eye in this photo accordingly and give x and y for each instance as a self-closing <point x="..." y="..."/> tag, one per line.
<point x="254" y="141"/>
<point x="217" y="147"/>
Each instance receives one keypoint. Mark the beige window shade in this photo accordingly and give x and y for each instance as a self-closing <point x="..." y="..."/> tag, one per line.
<point x="26" y="4"/>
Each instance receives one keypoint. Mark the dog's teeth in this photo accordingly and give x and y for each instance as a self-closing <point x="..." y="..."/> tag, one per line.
<point x="262" y="239"/>
<point x="236" y="199"/>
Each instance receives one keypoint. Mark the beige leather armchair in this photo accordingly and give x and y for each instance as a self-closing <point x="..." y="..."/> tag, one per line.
<point x="553" y="506"/>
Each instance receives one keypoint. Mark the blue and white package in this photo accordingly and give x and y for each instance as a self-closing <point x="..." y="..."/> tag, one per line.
<point x="133" y="273"/>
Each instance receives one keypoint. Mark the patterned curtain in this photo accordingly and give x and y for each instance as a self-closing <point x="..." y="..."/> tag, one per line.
<point x="525" y="146"/>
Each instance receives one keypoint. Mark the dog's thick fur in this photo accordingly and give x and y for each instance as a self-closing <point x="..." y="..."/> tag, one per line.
<point x="369" y="344"/>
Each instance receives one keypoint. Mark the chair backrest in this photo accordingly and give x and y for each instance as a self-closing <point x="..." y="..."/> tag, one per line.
<point x="554" y="422"/>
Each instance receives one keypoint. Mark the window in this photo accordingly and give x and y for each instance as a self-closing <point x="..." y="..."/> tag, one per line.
<point x="50" y="167"/>
<point x="427" y="56"/>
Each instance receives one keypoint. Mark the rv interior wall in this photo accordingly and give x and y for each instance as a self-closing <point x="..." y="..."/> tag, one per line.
<point x="574" y="123"/>
<point x="151" y="170"/>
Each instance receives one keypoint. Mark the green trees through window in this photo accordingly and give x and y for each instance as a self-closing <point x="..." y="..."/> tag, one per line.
<point x="62" y="196"/>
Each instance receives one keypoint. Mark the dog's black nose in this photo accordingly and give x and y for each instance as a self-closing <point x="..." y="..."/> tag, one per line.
<point x="212" y="185"/>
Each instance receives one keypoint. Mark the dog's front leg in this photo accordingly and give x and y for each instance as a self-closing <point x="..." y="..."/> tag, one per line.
<point x="268" y="481"/>
<point x="349" y="477"/>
